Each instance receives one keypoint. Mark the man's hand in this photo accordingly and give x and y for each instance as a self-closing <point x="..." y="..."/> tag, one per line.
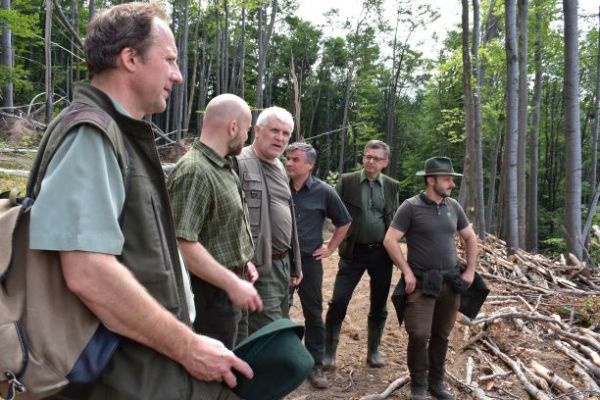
<point x="244" y="295"/>
<point x="410" y="281"/>
<point x="322" y="252"/>
<point x="208" y="359"/>
<point x="295" y="281"/>
<point x="251" y="272"/>
<point x="468" y="276"/>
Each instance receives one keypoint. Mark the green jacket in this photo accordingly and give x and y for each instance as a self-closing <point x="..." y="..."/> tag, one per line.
<point x="348" y="187"/>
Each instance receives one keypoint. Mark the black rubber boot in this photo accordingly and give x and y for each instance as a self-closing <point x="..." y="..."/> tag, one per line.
<point x="374" y="358"/>
<point x="418" y="387"/>
<point x="332" y="338"/>
<point x="438" y="391"/>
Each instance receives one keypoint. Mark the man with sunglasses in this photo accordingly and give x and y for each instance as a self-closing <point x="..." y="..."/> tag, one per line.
<point x="372" y="199"/>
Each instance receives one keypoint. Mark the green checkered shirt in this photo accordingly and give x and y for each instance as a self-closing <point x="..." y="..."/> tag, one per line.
<point x="208" y="207"/>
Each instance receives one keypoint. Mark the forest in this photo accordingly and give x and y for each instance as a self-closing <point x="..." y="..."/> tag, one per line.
<point x="512" y="96"/>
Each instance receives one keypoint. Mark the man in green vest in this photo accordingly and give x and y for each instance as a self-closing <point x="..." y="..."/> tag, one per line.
<point x="371" y="198"/>
<point x="102" y="203"/>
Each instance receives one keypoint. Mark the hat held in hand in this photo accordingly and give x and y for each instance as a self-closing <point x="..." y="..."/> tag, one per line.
<point x="278" y="358"/>
<point x="438" y="166"/>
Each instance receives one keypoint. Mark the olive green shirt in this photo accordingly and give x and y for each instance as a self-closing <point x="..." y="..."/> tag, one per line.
<point x="372" y="227"/>
<point x="208" y="206"/>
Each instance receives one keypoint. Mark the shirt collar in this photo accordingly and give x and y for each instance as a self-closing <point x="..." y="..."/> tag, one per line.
<point x="308" y="184"/>
<point x="428" y="201"/>
<point x="363" y="177"/>
<point x="211" y="154"/>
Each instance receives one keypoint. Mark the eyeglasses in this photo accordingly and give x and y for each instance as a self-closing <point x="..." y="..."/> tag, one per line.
<point x="373" y="158"/>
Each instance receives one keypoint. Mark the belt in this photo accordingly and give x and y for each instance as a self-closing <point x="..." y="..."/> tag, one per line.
<point x="279" y="256"/>
<point x="368" y="246"/>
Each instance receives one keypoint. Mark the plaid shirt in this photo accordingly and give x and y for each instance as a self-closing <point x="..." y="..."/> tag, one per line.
<point x="207" y="204"/>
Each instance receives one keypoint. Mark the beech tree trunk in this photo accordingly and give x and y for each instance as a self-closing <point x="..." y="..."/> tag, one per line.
<point x="522" y="121"/>
<point x="7" y="61"/>
<point x="532" y="187"/>
<point x="512" y="101"/>
<point x="573" y="137"/>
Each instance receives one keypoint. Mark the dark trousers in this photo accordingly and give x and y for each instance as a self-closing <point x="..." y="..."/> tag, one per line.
<point x="311" y="298"/>
<point x="428" y="322"/>
<point x="216" y="316"/>
<point x="379" y="266"/>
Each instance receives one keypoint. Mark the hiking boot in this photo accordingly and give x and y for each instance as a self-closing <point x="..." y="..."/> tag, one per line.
<point x="374" y="358"/>
<point x="438" y="391"/>
<point x="332" y="338"/>
<point x="317" y="378"/>
<point x="418" y="392"/>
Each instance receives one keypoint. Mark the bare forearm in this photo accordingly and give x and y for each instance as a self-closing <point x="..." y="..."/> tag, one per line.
<point x="338" y="235"/>
<point x="471" y="250"/>
<point x="118" y="300"/>
<point x="203" y="265"/>
<point x="396" y="254"/>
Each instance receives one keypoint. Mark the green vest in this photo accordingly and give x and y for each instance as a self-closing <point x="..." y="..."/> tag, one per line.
<point x="150" y="248"/>
<point x="348" y="188"/>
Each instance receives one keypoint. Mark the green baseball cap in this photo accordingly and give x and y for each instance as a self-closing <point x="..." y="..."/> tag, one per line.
<point x="278" y="358"/>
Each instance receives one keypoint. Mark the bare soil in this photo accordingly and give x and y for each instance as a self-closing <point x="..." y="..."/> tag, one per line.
<point x="354" y="379"/>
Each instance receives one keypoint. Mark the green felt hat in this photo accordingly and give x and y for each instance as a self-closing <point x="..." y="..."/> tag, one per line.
<point x="278" y="358"/>
<point x="438" y="166"/>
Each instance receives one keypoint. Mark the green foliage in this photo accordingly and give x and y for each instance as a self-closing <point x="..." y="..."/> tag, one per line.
<point x="9" y="182"/>
<point x="22" y="25"/>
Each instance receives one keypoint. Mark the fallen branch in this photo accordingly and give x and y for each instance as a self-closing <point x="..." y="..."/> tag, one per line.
<point x="477" y="392"/>
<point x="533" y="391"/>
<point x="397" y="384"/>
<point x="556" y="381"/>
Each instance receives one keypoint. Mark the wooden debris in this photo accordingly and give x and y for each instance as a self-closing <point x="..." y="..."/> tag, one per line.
<point x="397" y="384"/>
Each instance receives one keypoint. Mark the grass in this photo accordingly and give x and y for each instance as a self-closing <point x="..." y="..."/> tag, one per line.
<point x="9" y="182"/>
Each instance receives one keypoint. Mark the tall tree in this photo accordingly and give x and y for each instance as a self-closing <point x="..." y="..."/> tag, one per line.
<point x="510" y="157"/>
<point x="572" y="128"/>
<point x="265" y="32"/>
<point x="596" y="128"/>
<point x="7" y="60"/>
<point x="48" y="58"/>
<point x="522" y="121"/>
<point x="479" y="202"/>
<point x="532" y="188"/>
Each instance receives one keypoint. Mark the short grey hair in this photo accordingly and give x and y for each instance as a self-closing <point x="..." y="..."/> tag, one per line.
<point x="279" y="113"/>
<point x="311" y="153"/>
<point x="378" y="144"/>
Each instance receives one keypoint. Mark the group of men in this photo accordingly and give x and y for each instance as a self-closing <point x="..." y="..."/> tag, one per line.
<point x="245" y="227"/>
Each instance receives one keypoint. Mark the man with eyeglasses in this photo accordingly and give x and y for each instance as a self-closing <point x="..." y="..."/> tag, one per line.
<point x="372" y="199"/>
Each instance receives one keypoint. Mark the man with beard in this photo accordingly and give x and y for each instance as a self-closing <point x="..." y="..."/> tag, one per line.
<point x="211" y="221"/>
<point x="431" y="276"/>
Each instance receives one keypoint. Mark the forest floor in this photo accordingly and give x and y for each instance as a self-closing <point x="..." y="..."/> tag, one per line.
<point x="528" y="342"/>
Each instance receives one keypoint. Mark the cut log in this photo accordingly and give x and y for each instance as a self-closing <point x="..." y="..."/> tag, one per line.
<point x="556" y="381"/>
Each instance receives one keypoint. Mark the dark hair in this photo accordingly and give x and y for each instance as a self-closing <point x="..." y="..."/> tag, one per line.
<point x="311" y="153"/>
<point x="113" y="29"/>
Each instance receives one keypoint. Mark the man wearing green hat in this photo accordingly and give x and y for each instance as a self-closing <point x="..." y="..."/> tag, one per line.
<point x="431" y="277"/>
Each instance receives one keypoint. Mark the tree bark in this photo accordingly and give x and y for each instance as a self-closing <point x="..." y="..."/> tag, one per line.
<point x="7" y="61"/>
<point x="522" y="122"/>
<point x="263" y="46"/>
<point x="572" y="125"/>
<point x="48" y="60"/>
<point x="510" y="164"/>
<point x="596" y="129"/>
<point x="479" y="203"/>
<point x="532" y="193"/>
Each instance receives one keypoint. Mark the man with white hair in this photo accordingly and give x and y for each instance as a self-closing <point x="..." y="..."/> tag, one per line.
<point x="272" y="220"/>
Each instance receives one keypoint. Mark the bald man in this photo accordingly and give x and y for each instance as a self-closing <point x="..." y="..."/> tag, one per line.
<point x="211" y="221"/>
